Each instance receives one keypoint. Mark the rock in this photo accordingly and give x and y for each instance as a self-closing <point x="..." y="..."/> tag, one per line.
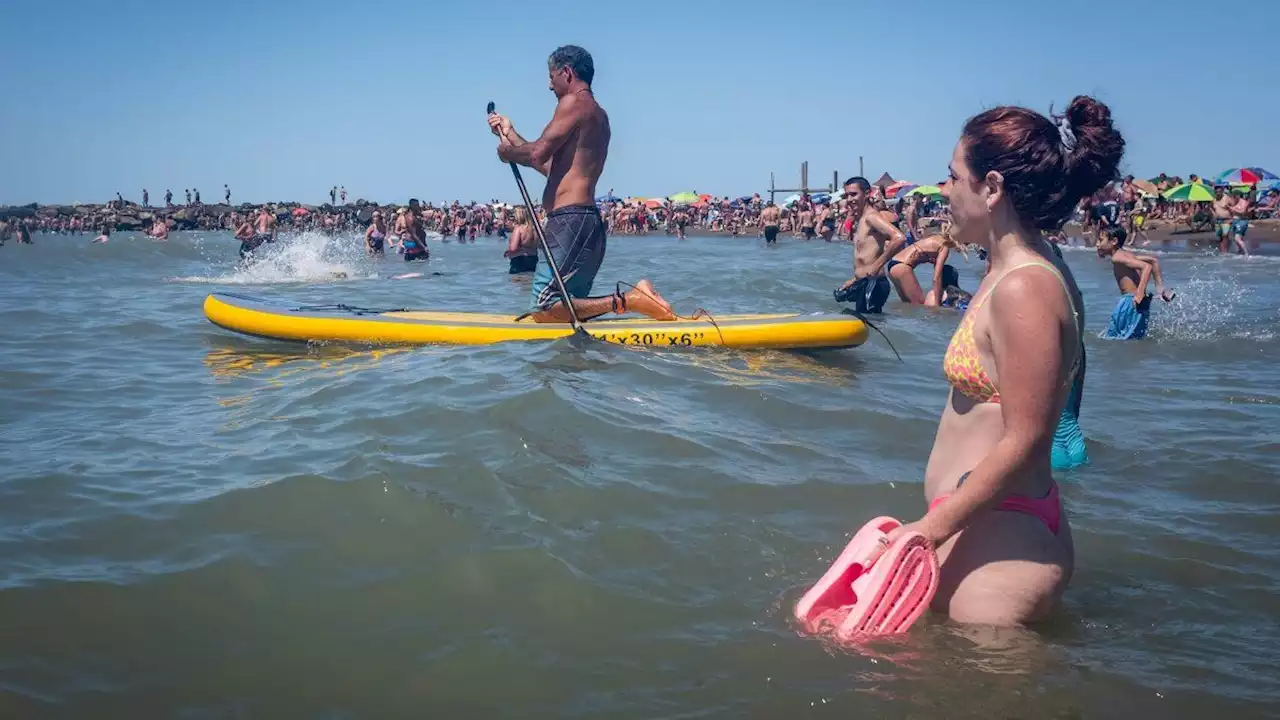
<point x="18" y="211"/>
<point x="365" y="214"/>
<point x="128" y="222"/>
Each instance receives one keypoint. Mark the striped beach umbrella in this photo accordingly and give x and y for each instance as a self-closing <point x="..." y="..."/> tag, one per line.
<point x="1190" y="192"/>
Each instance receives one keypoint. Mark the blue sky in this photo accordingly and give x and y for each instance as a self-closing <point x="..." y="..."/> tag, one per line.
<point x="283" y="99"/>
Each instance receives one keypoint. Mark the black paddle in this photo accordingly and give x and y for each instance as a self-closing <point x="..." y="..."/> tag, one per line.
<point x="546" y="250"/>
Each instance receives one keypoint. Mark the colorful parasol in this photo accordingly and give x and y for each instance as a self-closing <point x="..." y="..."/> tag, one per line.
<point x="926" y="190"/>
<point x="1190" y="192"/>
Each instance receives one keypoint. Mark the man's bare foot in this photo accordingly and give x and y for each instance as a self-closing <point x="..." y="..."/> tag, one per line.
<point x="645" y="300"/>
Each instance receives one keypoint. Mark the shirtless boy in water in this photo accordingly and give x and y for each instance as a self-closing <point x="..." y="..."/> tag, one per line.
<point x="1132" y="272"/>
<point x="875" y="241"/>
<point x="571" y="154"/>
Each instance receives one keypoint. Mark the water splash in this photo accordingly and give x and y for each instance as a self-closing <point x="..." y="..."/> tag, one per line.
<point x="305" y="257"/>
<point x="1209" y="306"/>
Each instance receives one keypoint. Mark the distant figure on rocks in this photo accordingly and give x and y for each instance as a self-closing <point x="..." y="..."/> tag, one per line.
<point x="197" y="197"/>
<point x="119" y="200"/>
<point x="333" y="195"/>
<point x="146" y="199"/>
<point x="188" y="196"/>
<point x="226" y="193"/>
<point x="343" y="193"/>
<point x="168" y="198"/>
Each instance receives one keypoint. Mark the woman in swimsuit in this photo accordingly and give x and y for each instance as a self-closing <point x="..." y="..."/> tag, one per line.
<point x="934" y="250"/>
<point x="994" y="512"/>
<point x="376" y="236"/>
<point x="522" y="248"/>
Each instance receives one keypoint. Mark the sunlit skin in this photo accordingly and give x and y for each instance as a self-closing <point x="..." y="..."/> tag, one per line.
<point x="1003" y="568"/>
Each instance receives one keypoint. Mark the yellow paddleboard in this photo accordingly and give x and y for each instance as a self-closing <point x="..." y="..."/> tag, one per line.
<point x="344" y="323"/>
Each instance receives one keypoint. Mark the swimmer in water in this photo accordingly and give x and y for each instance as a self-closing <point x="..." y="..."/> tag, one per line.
<point x="375" y="236"/>
<point x="1132" y="313"/>
<point x="522" y="246"/>
<point x="412" y="233"/>
<point x="159" y="229"/>
<point x="933" y="250"/>
<point x="876" y="240"/>
<point x="105" y="236"/>
<point x="571" y="154"/>
<point x="994" y="511"/>
<point x="770" y="221"/>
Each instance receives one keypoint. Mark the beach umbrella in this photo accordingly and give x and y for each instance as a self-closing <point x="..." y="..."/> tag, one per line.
<point x="926" y="190"/>
<point x="1238" y="176"/>
<point x="1147" y="187"/>
<point x="1190" y="192"/>
<point x="654" y="203"/>
<point x="607" y="198"/>
<point x="792" y="200"/>
<point x="299" y="212"/>
<point x="898" y="188"/>
<point x="684" y="198"/>
<point x="903" y="191"/>
<point x="1266" y="175"/>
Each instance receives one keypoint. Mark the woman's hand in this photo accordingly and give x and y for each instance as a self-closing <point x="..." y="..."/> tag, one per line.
<point x="922" y="526"/>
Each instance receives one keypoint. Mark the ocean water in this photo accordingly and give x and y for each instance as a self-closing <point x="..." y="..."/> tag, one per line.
<point x="203" y="525"/>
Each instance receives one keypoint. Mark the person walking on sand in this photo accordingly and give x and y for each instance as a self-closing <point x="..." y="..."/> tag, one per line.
<point x="571" y="154"/>
<point x="1132" y="313"/>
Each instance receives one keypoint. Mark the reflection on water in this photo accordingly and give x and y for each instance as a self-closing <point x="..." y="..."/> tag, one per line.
<point x="612" y="531"/>
<point x="234" y="359"/>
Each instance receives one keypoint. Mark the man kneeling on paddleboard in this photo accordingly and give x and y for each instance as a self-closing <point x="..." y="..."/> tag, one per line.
<point x="571" y="154"/>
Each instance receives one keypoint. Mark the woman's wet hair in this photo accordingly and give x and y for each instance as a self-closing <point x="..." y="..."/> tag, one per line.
<point x="1047" y="166"/>
<point x="950" y="276"/>
<point x="576" y="59"/>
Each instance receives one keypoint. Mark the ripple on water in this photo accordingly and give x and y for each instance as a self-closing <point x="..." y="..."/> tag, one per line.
<point x="190" y="516"/>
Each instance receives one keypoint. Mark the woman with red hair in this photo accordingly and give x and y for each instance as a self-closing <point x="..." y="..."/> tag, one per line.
<point x="994" y="513"/>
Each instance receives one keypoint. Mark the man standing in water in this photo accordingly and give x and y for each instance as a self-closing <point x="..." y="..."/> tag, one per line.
<point x="571" y="153"/>
<point x="875" y="242"/>
<point x="769" y="218"/>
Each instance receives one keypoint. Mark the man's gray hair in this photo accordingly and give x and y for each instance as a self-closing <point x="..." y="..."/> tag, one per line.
<point x="576" y="59"/>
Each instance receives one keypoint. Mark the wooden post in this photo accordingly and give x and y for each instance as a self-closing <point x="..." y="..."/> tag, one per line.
<point x="861" y="172"/>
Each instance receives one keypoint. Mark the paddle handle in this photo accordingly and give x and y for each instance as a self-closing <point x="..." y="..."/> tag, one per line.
<point x="542" y="240"/>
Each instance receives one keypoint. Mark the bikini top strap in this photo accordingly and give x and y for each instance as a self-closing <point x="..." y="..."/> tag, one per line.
<point x="1033" y="263"/>
<point x="1075" y="365"/>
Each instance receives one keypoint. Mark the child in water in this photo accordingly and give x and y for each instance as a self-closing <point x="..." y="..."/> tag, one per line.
<point x="1132" y="313"/>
